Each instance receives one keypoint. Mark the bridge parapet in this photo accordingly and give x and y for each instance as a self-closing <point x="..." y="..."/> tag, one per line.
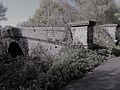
<point x="54" y="38"/>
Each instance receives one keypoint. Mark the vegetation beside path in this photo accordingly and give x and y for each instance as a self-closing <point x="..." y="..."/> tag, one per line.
<point x="45" y="72"/>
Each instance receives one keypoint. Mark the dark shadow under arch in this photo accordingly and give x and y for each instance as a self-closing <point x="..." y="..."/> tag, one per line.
<point x="14" y="49"/>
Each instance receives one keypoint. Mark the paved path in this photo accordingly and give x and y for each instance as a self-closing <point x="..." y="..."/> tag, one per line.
<point x="105" y="77"/>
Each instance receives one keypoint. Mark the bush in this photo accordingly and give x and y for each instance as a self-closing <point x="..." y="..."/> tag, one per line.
<point x="40" y="64"/>
<point x="116" y="51"/>
<point x="23" y="72"/>
<point x="62" y="72"/>
<point x="104" y="52"/>
<point x="10" y="72"/>
<point x="73" y="64"/>
<point x="45" y="73"/>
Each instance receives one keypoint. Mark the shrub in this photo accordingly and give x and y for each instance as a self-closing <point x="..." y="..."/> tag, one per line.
<point x="23" y="72"/>
<point x="116" y="51"/>
<point x="45" y="73"/>
<point x="73" y="64"/>
<point x="10" y="72"/>
<point x="40" y="64"/>
<point x="62" y="72"/>
<point x="105" y="52"/>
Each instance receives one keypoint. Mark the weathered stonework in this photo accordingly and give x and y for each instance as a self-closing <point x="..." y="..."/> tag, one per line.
<point x="107" y="35"/>
<point x="102" y="38"/>
<point x="11" y="34"/>
<point x="118" y="34"/>
<point x="83" y="33"/>
<point x="49" y="37"/>
<point x="111" y="29"/>
<point x="54" y="38"/>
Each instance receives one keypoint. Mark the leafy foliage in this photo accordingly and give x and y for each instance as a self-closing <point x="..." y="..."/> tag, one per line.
<point x="40" y="73"/>
<point x="10" y="72"/>
<point x="61" y="12"/>
<point x="98" y="10"/>
<point x="3" y="10"/>
<point x="22" y="72"/>
<point x="72" y="66"/>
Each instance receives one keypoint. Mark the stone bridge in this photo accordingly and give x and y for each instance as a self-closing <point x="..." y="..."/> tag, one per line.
<point x="22" y="40"/>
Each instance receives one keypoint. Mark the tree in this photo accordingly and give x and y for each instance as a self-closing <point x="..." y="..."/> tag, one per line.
<point x="3" y="10"/>
<point x="61" y="12"/>
<point x="98" y="10"/>
<point x="52" y="13"/>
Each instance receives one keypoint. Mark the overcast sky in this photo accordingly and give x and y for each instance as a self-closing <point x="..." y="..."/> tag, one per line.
<point x="20" y="10"/>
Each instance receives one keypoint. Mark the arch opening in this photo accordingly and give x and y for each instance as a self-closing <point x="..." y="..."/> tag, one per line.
<point x="14" y="49"/>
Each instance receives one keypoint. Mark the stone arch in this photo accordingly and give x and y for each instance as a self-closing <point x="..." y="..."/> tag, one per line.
<point x="14" y="49"/>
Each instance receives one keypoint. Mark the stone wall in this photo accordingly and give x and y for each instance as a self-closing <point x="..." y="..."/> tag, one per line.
<point x="118" y="32"/>
<point x="83" y="32"/>
<point x="49" y="48"/>
<point x="75" y="33"/>
<point x="46" y="36"/>
<point x="111" y="29"/>
<point x="107" y="35"/>
<point x="54" y="38"/>
<point x="44" y="33"/>
<point x="102" y="38"/>
<point x="11" y="34"/>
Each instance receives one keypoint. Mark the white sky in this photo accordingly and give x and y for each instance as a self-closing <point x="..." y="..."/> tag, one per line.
<point x="19" y="10"/>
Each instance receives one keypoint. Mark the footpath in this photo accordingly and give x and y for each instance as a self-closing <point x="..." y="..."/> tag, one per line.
<point x="104" y="77"/>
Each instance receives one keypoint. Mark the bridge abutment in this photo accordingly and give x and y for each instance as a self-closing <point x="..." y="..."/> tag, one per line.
<point x="9" y="35"/>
